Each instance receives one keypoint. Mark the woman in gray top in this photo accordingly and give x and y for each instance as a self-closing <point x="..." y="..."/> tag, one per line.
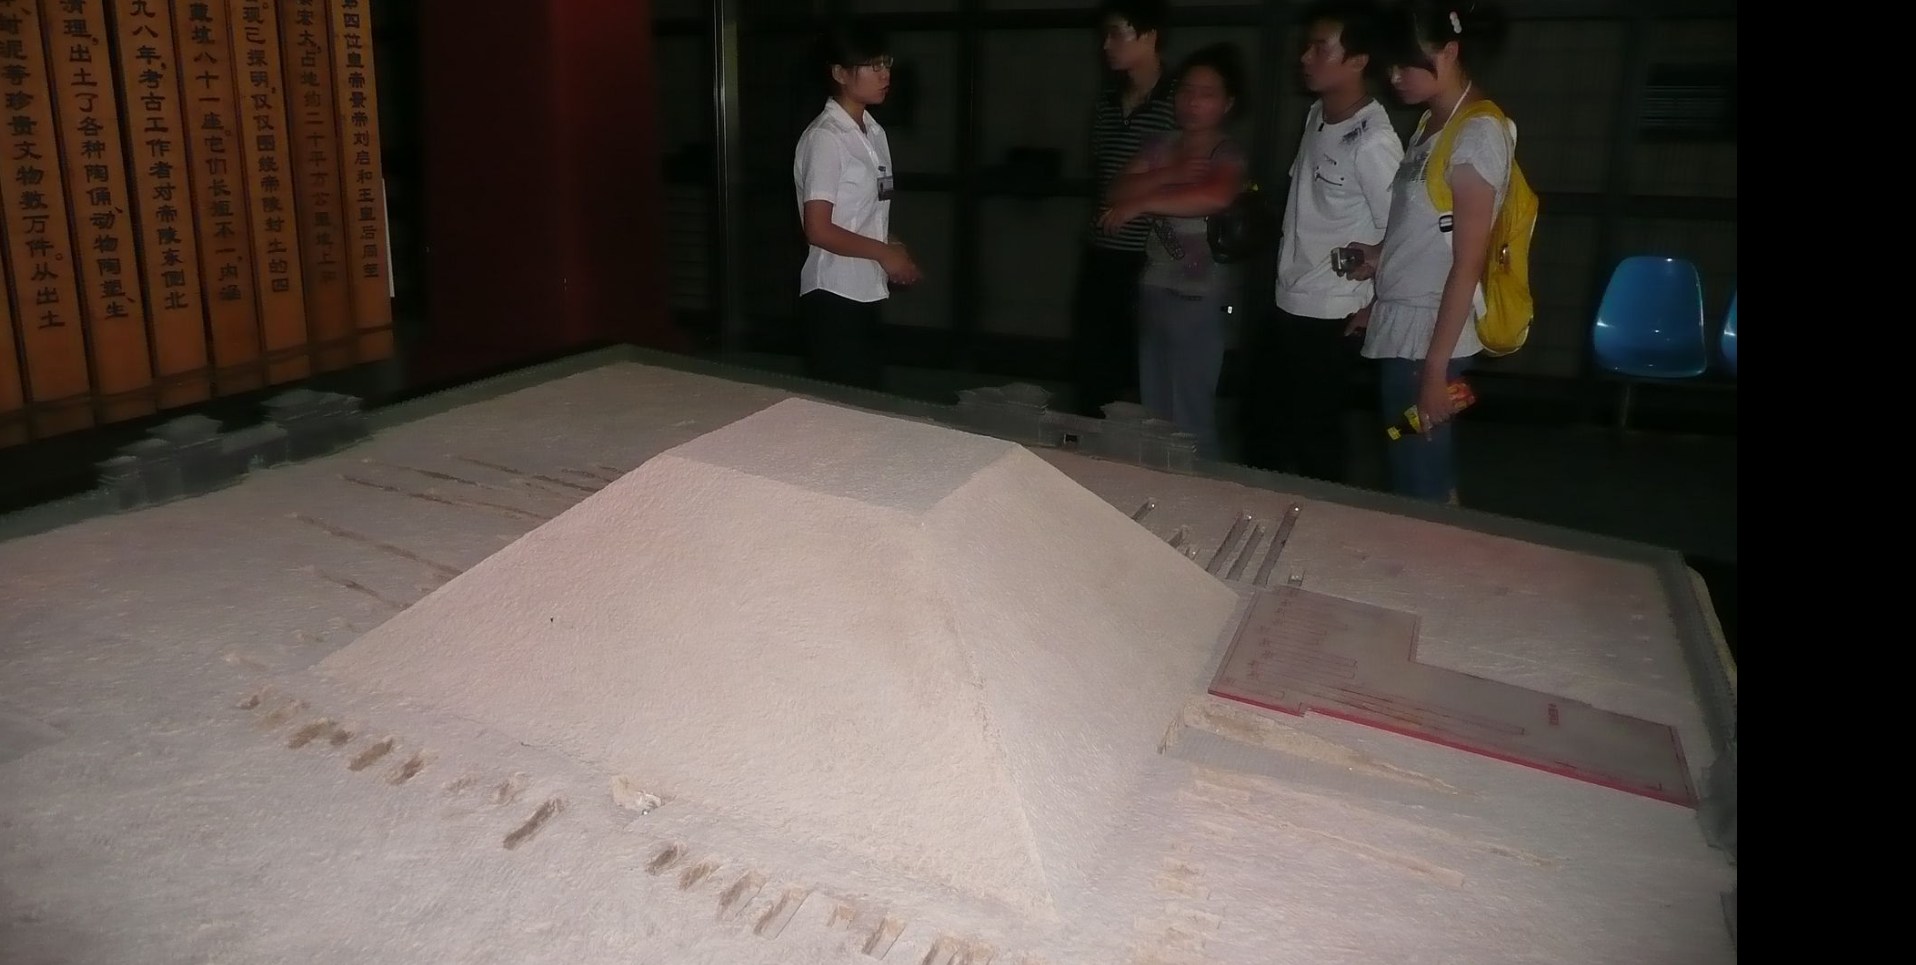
<point x="1429" y="268"/>
<point x="1177" y="182"/>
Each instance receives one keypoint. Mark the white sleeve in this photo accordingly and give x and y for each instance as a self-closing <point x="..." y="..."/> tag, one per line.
<point x="1484" y="146"/>
<point x="1378" y="158"/>
<point x="820" y="169"/>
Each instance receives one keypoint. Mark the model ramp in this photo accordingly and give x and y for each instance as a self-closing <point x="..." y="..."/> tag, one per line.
<point x="929" y="648"/>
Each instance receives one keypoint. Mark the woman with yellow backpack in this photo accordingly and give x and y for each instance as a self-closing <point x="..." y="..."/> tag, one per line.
<point x="1450" y="273"/>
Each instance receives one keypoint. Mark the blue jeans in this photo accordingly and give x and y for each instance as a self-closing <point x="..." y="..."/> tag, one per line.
<point x="1180" y="353"/>
<point x="1422" y="466"/>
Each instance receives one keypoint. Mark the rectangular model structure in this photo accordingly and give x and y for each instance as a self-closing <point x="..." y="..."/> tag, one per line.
<point x="621" y="662"/>
<point x="1301" y="652"/>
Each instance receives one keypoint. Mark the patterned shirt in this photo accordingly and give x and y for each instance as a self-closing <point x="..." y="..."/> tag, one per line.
<point x="1116" y="137"/>
<point x="1177" y="251"/>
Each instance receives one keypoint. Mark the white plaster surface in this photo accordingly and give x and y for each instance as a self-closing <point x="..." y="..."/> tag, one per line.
<point x="925" y="646"/>
<point x="179" y="781"/>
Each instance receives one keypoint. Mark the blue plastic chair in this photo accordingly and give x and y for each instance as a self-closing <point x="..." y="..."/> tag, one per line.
<point x="1727" y="344"/>
<point x="1650" y="325"/>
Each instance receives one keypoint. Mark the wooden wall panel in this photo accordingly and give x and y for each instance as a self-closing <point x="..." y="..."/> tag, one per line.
<point x="40" y="258"/>
<point x="362" y="189"/>
<point x="106" y="258"/>
<point x="278" y="280"/>
<point x="304" y="41"/>
<point x="218" y="187"/>
<point x="192" y="204"/>
<point x="169" y="247"/>
<point x="13" y="396"/>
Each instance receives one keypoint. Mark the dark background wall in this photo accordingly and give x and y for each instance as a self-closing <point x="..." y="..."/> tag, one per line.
<point x="543" y="222"/>
<point x="550" y="173"/>
<point x="1626" y="114"/>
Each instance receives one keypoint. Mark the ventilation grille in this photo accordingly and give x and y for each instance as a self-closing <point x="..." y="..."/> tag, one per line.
<point x="1689" y="103"/>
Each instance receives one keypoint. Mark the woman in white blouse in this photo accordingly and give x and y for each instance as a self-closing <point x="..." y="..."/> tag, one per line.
<point x="845" y="180"/>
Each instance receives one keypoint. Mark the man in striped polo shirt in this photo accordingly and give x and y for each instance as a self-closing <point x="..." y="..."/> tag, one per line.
<point x="1134" y="106"/>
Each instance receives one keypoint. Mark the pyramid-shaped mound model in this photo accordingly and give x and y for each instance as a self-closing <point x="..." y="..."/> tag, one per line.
<point x="928" y="648"/>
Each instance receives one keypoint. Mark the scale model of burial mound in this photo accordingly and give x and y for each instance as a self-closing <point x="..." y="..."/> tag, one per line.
<point x="926" y="647"/>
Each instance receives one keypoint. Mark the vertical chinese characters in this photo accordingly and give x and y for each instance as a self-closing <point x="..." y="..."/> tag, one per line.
<point x="208" y="83"/>
<point x="157" y="168"/>
<point x="157" y="152"/>
<point x="362" y="123"/>
<point x="204" y="34"/>
<point x="105" y="257"/>
<point x="263" y="136"/>
<point x="191" y="203"/>
<point x="93" y="134"/>
<point x="34" y="198"/>
<point x="363" y="189"/>
<point x="40" y="259"/>
<point x="305" y="44"/>
<point x="264" y="113"/>
<point x="315" y="112"/>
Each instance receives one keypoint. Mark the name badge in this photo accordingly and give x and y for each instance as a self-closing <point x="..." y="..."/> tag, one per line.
<point x="886" y="184"/>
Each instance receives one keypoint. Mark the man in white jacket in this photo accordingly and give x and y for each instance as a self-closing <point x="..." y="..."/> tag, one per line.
<point x="1303" y="354"/>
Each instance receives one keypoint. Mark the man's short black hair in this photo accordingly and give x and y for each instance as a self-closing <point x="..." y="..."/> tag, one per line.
<point x="1360" y="24"/>
<point x="1144" y="16"/>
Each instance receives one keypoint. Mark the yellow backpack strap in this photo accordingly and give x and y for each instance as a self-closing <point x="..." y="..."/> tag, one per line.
<point x="1437" y="169"/>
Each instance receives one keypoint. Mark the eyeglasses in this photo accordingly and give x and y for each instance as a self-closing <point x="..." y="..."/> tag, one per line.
<point x="878" y="63"/>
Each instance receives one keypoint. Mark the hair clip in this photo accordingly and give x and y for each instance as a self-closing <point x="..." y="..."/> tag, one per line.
<point x="1456" y="23"/>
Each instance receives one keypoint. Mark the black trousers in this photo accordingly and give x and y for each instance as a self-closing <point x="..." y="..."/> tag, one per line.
<point x="1297" y="389"/>
<point x="842" y="340"/>
<point x="1104" y="327"/>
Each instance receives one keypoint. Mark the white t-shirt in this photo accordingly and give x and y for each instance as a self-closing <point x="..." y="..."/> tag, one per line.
<point x="1416" y="258"/>
<point x="837" y="162"/>
<point x="1340" y="193"/>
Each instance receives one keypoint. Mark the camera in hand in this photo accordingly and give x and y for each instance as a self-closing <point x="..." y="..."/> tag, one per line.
<point x="1461" y="398"/>
<point x="1345" y="260"/>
